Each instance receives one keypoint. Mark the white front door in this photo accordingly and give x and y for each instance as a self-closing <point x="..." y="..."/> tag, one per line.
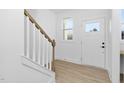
<point x="93" y="42"/>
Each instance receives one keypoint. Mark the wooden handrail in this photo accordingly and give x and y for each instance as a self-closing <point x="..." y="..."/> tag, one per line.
<point x="53" y="43"/>
<point x="37" y="25"/>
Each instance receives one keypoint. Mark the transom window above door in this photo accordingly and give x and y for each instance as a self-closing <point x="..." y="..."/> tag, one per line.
<point x="68" y="28"/>
<point x="92" y="27"/>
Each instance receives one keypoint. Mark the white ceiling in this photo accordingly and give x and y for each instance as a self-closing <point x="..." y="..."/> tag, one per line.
<point x="66" y="10"/>
<point x="61" y="10"/>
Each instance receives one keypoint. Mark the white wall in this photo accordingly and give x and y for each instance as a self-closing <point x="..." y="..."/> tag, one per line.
<point x="71" y="50"/>
<point x="12" y="47"/>
<point x="115" y="45"/>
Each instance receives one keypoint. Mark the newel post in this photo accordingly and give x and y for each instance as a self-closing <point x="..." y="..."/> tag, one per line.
<point x="53" y="55"/>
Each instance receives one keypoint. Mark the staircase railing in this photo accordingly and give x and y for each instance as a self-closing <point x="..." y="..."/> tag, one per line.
<point x="38" y="45"/>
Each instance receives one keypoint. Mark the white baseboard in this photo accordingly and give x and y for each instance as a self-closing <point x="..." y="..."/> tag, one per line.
<point x="76" y="61"/>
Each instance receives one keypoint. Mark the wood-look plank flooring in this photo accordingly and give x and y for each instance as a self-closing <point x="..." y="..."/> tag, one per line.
<point x="67" y="72"/>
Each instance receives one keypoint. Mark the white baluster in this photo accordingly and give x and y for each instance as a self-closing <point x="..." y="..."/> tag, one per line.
<point x="34" y="42"/>
<point x="43" y="50"/>
<point x="30" y="40"/>
<point x="49" y="55"/>
<point x="47" y="61"/>
<point x="28" y="36"/>
<point x="37" y="44"/>
<point x="39" y="47"/>
<point x="25" y="36"/>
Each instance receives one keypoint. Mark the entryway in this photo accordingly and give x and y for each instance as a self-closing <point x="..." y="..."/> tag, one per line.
<point x="93" y="42"/>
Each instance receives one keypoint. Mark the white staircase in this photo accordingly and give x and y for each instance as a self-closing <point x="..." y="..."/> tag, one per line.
<point x="38" y="48"/>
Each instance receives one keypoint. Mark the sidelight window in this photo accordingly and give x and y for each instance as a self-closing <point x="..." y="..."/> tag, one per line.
<point x="68" y="28"/>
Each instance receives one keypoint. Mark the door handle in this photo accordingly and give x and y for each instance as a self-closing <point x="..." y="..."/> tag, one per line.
<point x="103" y="43"/>
<point x="103" y="46"/>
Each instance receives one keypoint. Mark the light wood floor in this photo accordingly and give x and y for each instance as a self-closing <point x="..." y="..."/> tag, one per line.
<point x="67" y="72"/>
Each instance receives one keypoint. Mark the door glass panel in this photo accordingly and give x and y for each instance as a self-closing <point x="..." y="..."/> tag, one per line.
<point x="92" y="27"/>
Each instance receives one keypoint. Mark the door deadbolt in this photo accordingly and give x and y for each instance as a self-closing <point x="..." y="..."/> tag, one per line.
<point x="103" y="46"/>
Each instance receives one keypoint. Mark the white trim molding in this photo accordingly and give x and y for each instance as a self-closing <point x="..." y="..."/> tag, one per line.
<point x="35" y="66"/>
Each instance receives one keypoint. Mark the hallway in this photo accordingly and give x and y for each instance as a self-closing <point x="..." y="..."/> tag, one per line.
<point x="67" y="72"/>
